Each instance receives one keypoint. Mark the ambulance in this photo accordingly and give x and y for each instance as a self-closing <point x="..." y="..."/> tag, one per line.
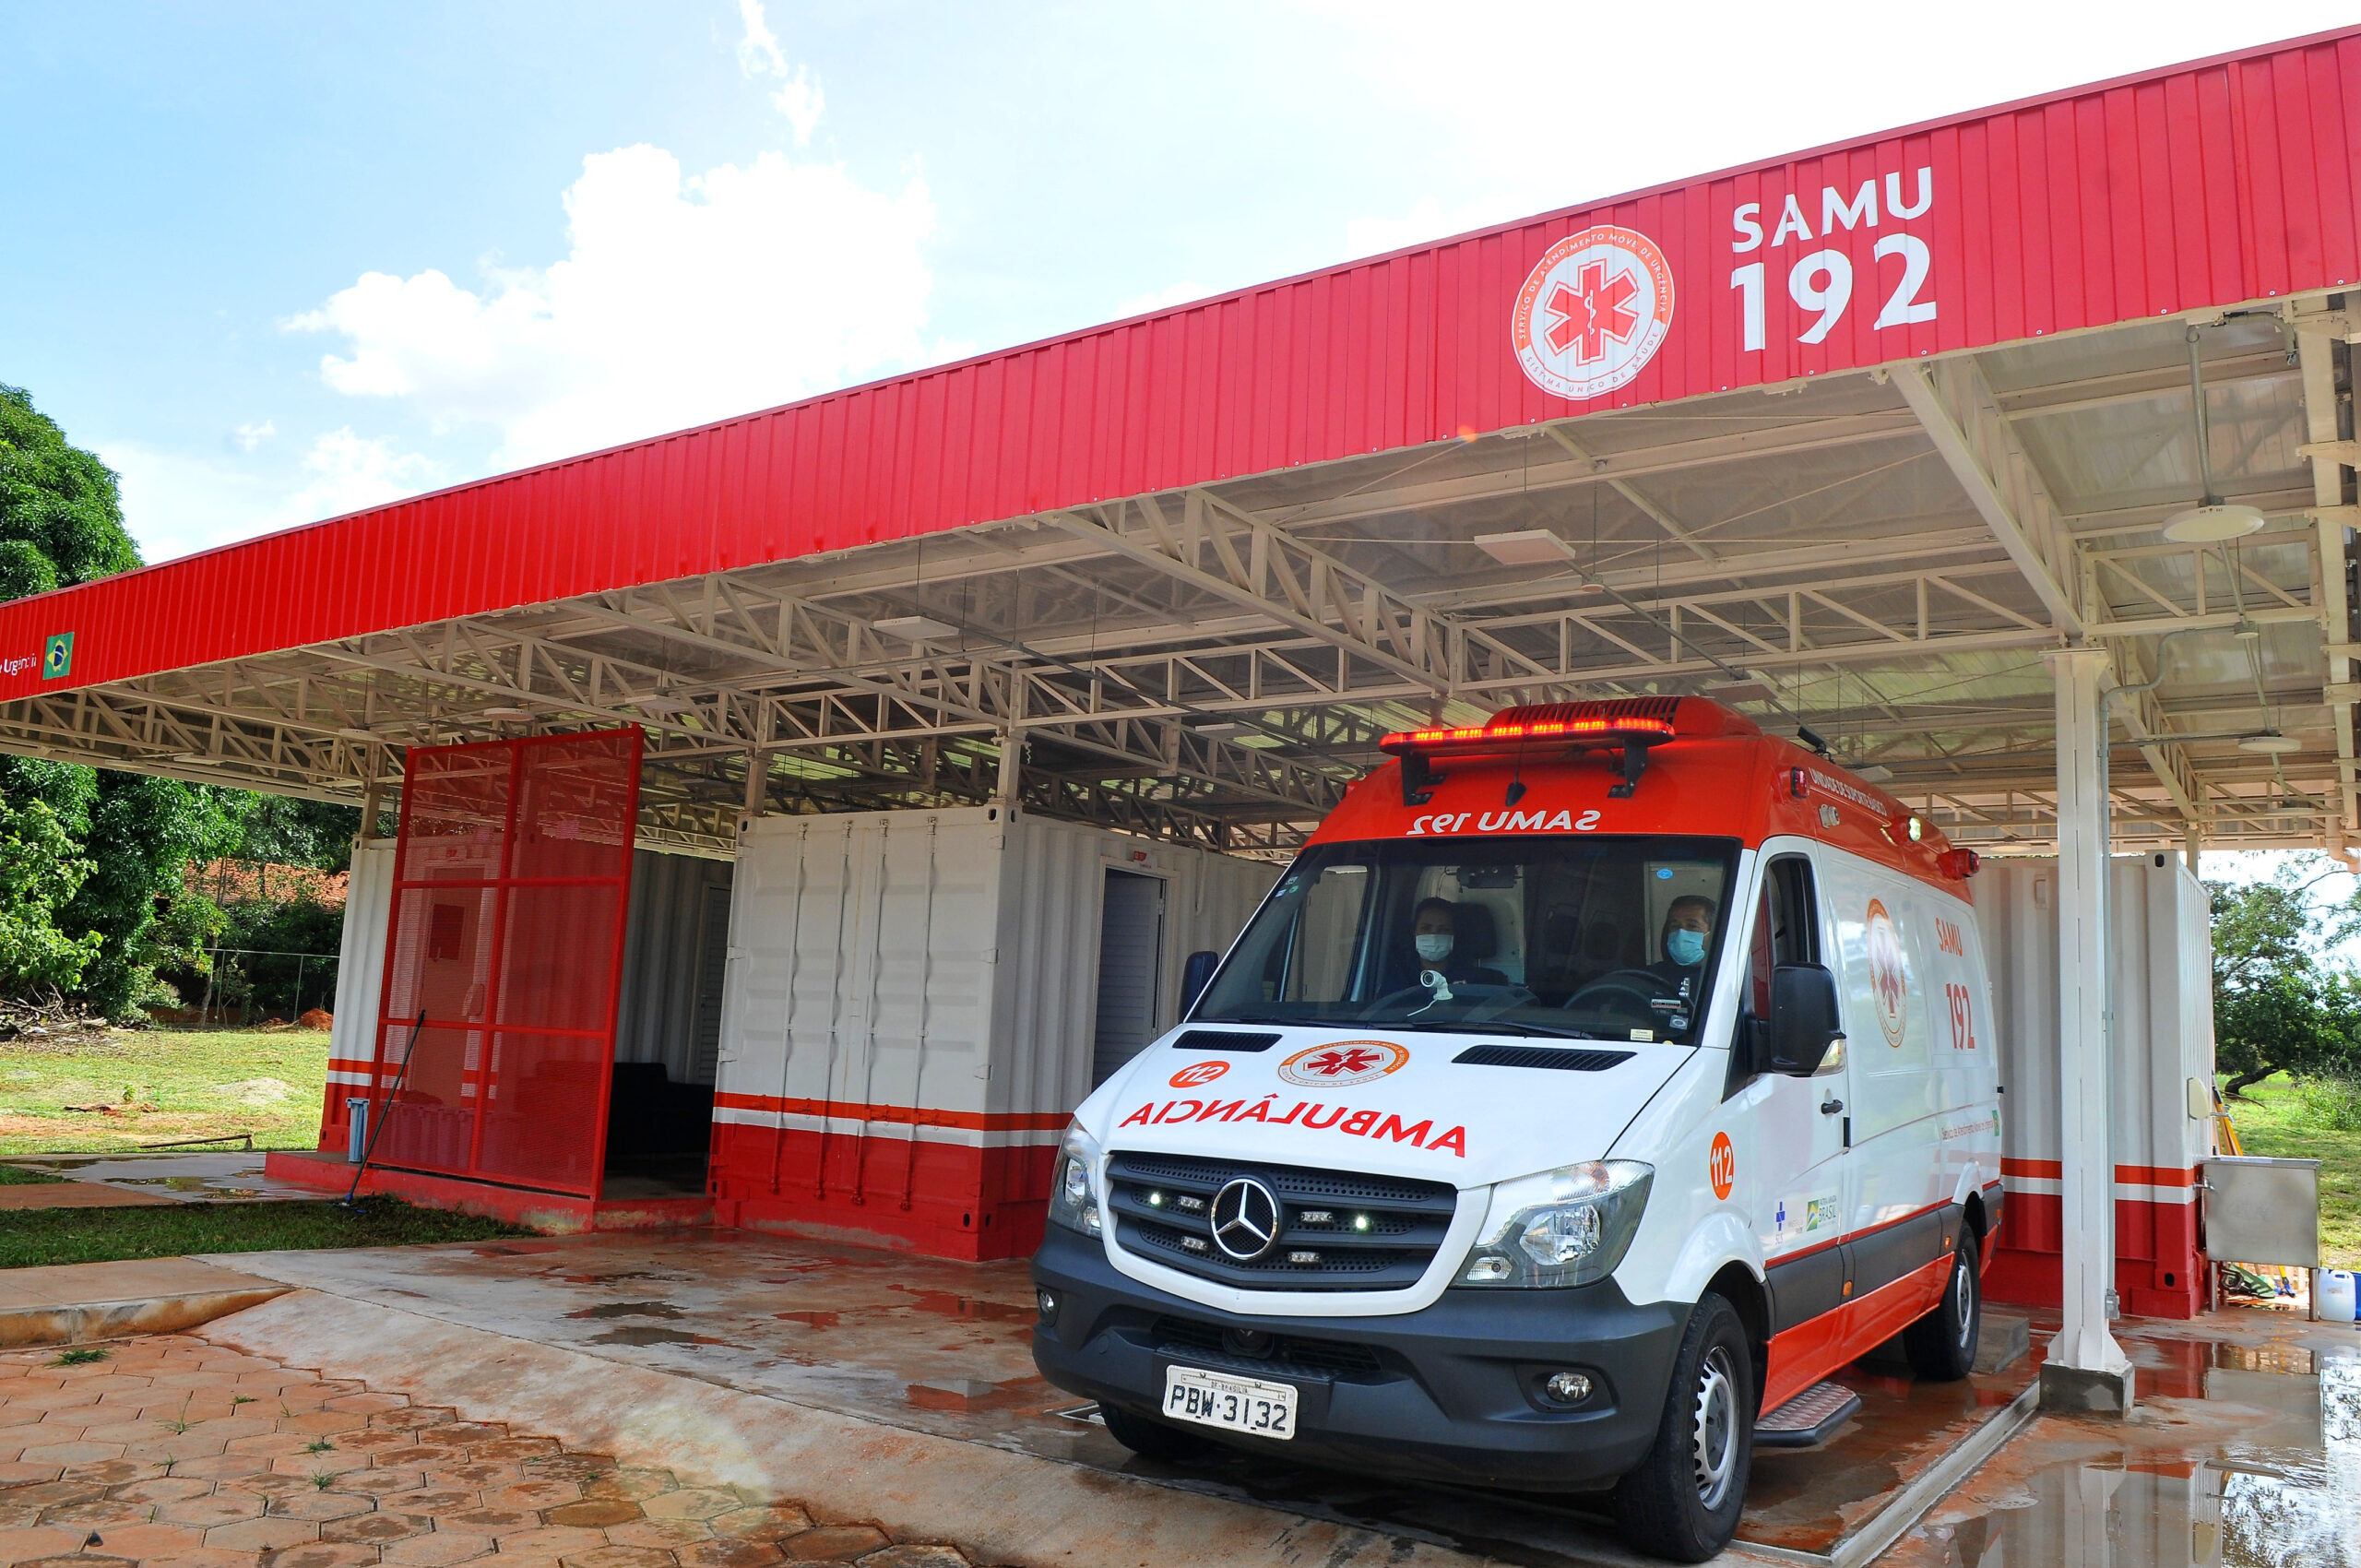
<point x="1594" y="1084"/>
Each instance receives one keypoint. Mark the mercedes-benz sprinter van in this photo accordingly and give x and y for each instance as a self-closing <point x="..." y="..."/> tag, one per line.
<point x="1592" y="1085"/>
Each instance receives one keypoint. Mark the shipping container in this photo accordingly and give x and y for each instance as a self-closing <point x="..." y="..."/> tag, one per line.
<point x="917" y="1001"/>
<point x="2161" y="1071"/>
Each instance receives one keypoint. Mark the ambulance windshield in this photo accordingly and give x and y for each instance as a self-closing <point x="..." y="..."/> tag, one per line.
<point x="1605" y="938"/>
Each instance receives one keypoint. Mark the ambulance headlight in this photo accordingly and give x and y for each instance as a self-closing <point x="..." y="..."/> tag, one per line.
<point x="1565" y="1227"/>
<point x="1073" y="1203"/>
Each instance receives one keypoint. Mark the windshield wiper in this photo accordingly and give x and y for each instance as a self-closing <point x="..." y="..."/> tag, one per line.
<point x="1484" y="1027"/>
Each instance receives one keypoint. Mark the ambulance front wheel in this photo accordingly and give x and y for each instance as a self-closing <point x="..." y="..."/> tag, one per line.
<point x="1151" y="1440"/>
<point x="1682" y="1502"/>
<point x="1941" y="1346"/>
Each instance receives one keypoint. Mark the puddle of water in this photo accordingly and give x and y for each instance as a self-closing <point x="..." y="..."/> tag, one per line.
<point x="812" y="1318"/>
<point x="636" y="1335"/>
<point x="2284" y="1493"/>
<point x="629" y="1309"/>
<point x="947" y="1303"/>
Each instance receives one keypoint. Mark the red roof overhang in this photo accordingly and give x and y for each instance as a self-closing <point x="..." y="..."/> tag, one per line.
<point x="2199" y="187"/>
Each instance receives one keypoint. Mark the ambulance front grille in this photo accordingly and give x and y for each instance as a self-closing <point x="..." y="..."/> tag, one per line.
<point x="1338" y="1230"/>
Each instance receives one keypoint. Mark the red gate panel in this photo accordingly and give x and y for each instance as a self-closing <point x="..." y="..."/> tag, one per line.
<point x="512" y="881"/>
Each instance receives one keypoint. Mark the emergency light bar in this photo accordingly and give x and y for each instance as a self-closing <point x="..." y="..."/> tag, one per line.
<point x="1632" y="723"/>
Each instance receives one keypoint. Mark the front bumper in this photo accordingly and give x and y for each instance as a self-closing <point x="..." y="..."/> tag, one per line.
<point x="1450" y="1392"/>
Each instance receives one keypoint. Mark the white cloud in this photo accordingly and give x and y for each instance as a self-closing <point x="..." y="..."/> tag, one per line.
<point x="252" y="435"/>
<point x="799" y="96"/>
<point x="175" y="502"/>
<point x="344" y="472"/>
<point x="681" y="300"/>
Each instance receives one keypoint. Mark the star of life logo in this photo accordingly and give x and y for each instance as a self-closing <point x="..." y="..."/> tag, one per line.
<point x="1889" y="973"/>
<point x="1343" y="1064"/>
<point x="1593" y="312"/>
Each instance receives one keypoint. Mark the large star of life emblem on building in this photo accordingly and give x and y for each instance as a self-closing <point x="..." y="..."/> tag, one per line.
<point x="1593" y="312"/>
<point x="1342" y="1063"/>
<point x="1584" y="317"/>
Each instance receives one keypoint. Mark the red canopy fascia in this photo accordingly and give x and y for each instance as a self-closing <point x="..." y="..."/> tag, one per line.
<point x="2193" y="187"/>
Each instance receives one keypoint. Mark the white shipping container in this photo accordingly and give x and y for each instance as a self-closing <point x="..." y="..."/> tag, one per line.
<point x="936" y="978"/>
<point x="2159" y="933"/>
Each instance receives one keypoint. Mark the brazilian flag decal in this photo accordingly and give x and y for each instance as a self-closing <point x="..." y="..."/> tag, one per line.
<point x="57" y="656"/>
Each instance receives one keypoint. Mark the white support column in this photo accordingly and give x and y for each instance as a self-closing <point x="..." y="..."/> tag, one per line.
<point x="2192" y="840"/>
<point x="2086" y="1370"/>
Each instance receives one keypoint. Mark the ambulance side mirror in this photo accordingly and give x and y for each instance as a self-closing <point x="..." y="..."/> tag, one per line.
<point x="1196" y="973"/>
<point x="1807" y="1025"/>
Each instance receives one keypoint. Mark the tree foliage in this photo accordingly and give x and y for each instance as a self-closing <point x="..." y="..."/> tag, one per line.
<point x="2282" y="1002"/>
<point x="40" y="874"/>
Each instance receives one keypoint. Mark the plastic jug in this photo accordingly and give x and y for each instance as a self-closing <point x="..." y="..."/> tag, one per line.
<point x="2333" y="1293"/>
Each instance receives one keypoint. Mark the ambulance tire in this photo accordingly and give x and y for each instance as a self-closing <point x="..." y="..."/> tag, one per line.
<point x="1682" y="1503"/>
<point x="1151" y="1440"/>
<point x="1941" y="1346"/>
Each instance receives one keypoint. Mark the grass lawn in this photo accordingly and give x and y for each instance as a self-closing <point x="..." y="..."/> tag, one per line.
<point x="32" y="1237"/>
<point x="164" y="1084"/>
<point x="2270" y="1122"/>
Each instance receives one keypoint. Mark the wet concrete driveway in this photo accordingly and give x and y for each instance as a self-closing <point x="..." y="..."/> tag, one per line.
<point x="2232" y="1437"/>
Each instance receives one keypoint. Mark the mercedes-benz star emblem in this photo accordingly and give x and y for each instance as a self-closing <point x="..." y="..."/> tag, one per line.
<point x="1246" y="1219"/>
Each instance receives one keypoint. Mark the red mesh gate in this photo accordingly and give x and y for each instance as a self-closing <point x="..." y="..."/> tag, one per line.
<point x="511" y="879"/>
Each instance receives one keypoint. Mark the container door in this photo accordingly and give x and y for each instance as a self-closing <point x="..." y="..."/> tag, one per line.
<point x="1131" y="939"/>
<point x="1801" y="1217"/>
<point x="513" y="881"/>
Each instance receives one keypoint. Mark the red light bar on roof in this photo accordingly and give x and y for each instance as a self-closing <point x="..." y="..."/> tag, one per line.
<point x="1632" y="723"/>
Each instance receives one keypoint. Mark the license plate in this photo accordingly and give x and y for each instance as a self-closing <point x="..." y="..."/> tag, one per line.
<point x="1233" y="1404"/>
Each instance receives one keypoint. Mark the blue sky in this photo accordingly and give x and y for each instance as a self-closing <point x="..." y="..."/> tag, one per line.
<point x="279" y="262"/>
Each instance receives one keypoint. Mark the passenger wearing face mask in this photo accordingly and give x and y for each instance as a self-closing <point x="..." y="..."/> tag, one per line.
<point x="1435" y="935"/>
<point x="1687" y="931"/>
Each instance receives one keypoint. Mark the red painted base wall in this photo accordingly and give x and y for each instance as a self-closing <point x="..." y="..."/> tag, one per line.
<point x="944" y="1199"/>
<point x="2158" y="1270"/>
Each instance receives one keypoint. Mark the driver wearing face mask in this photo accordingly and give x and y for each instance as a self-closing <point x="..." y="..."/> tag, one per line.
<point x="1434" y="935"/>
<point x="1680" y="974"/>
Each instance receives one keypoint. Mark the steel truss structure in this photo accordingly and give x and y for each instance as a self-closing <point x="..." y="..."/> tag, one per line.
<point x="1882" y="558"/>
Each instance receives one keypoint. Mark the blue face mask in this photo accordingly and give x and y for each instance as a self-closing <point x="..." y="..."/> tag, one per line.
<point x="1685" y="947"/>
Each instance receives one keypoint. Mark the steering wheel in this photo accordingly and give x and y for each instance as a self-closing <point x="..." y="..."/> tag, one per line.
<point x="1620" y="993"/>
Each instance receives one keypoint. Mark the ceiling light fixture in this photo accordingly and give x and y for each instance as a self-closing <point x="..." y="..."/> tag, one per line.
<point x="2271" y="744"/>
<point x="509" y="712"/>
<point x="916" y="628"/>
<point x="2212" y="519"/>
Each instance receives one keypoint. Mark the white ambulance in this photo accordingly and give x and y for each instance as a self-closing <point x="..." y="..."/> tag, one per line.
<point x="1594" y="1084"/>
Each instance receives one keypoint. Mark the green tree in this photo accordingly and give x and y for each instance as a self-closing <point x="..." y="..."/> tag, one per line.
<point x="40" y="874"/>
<point x="61" y="523"/>
<point x="2280" y="1002"/>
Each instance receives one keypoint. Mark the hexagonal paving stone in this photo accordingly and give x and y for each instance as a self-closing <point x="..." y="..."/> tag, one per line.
<point x="496" y="1521"/>
<point x="70" y="1452"/>
<point x="593" y="1513"/>
<point x="633" y="1484"/>
<point x="333" y="1462"/>
<point x="139" y="1542"/>
<point x="261" y="1534"/>
<point x="377" y="1529"/>
<point x="99" y="1514"/>
<point x="272" y="1483"/>
<point x="694" y="1502"/>
<point x="508" y="1450"/>
<point x="51" y="1494"/>
<point x="570" y="1467"/>
<point x="620" y="1557"/>
<point x="161" y="1488"/>
<point x="320" y="1506"/>
<point x="430" y="1500"/>
<point x="669" y="1533"/>
<point x="834" y="1543"/>
<point x="761" y="1523"/>
<point x="533" y="1492"/>
<point x="422" y="1456"/>
<point x="320" y="1554"/>
<point x="483" y="1477"/>
<point x="437" y="1549"/>
<point x="553" y="1540"/>
<point x="17" y="1518"/>
<point x="75" y="1562"/>
<point x="727" y="1553"/>
<point x="214" y="1508"/>
<point x="37" y="1542"/>
<point x="224" y="1467"/>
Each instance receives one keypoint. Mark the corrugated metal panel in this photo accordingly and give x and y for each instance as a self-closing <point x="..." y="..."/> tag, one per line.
<point x="2201" y="186"/>
<point x="664" y="941"/>
<point x="360" y="973"/>
<point x="2163" y="1003"/>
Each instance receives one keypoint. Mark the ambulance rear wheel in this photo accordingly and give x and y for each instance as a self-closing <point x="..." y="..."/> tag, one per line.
<point x="1151" y="1440"/>
<point x="1682" y="1502"/>
<point x="1941" y="1346"/>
